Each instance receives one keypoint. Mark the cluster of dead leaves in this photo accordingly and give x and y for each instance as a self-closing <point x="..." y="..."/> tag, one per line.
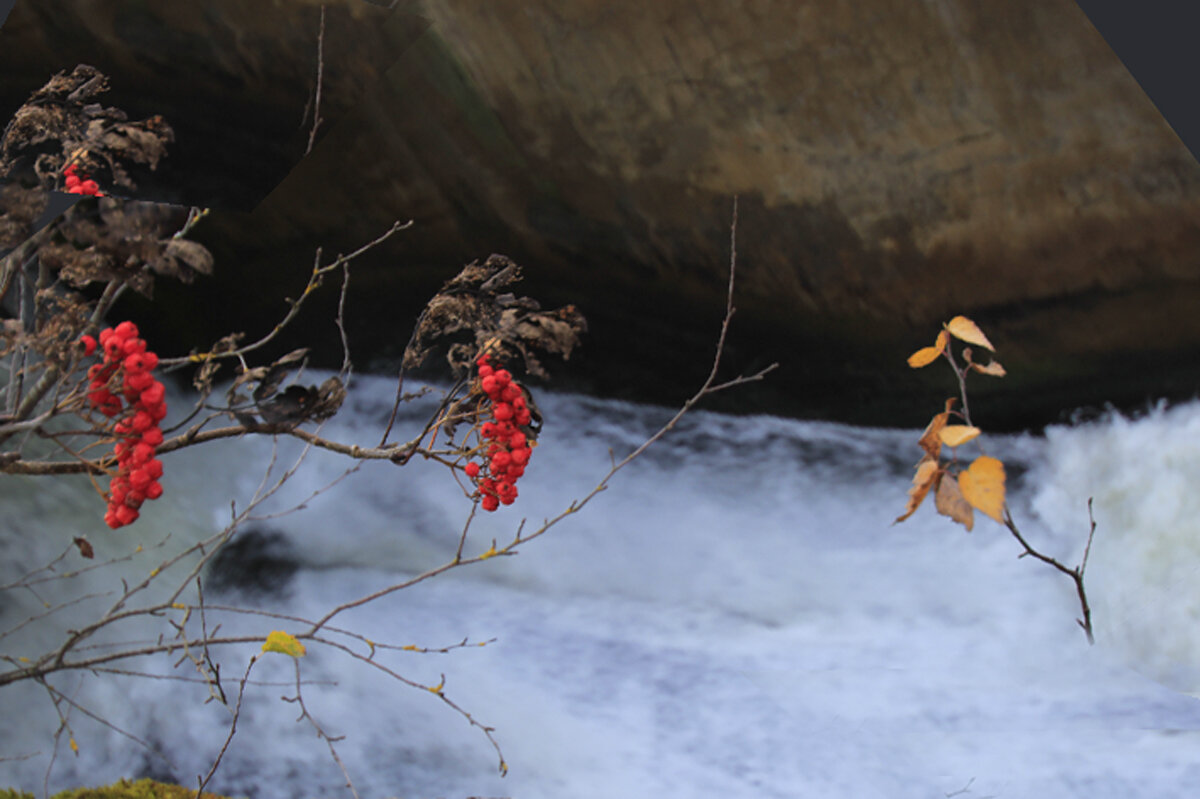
<point x="125" y="240"/>
<point x="477" y="305"/>
<point x="981" y="485"/>
<point x="293" y="405"/>
<point x="61" y="123"/>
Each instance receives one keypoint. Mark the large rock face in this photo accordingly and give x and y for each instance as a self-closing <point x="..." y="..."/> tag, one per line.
<point x="895" y="163"/>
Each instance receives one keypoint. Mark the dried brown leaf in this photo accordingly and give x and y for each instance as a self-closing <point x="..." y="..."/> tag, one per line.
<point x="928" y="472"/>
<point x="950" y="502"/>
<point x="993" y="368"/>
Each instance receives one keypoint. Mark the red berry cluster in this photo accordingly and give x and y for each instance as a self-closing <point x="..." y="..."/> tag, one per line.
<point x="138" y="434"/>
<point x="80" y="185"/>
<point x="505" y="449"/>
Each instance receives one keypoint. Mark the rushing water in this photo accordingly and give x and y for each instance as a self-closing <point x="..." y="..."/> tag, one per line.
<point x="736" y="617"/>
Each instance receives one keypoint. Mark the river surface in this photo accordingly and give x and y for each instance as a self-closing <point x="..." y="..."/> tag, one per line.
<point x="736" y="618"/>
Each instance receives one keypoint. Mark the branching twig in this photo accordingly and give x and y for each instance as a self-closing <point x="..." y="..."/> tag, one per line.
<point x="329" y="740"/>
<point x="237" y="714"/>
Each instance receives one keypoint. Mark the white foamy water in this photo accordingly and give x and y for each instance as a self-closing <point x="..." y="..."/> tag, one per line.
<point x="736" y="617"/>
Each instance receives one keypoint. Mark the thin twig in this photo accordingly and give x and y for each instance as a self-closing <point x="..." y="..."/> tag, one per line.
<point x="312" y="134"/>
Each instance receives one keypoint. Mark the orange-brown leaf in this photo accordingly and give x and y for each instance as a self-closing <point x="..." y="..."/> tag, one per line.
<point x="931" y="440"/>
<point x="953" y="435"/>
<point x="993" y="368"/>
<point x="963" y="328"/>
<point x="982" y="485"/>
<point x="950" y="502"/>
<point x="928" y="471"/>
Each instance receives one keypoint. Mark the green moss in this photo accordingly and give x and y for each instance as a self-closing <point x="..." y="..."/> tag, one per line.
<point x="141" y="789"/>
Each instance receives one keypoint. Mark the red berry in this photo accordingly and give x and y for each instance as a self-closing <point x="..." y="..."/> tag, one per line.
<point x="484" y="370"/>
<point x="126" y="330"/>
<point x="150" y="359"/>
<point x="131" y="347"/>
<point x="141" y="453"/>
<point x="472" y="470"/>
<point x="523" y="417"/>
<point x="99" y="397"/>
<point x="139" y="382"/>
<point x="517" y="441"/>
<point x="154" y="468"/>
<point x="503" y="377"/>
<point x="89" y="186"/>
<point x="510" y="392"/>
<point x="154" y="490"/>
<point x="489" y="385"/>
<point x="89" y="345"/>
<point x="141" y="422"/>
<point x="489" y="502"/>
<point x="105" y="335"/>
<point x="520" y="457"/>
<point x="139" y="479"/>
<point x="126" y="514"/>
<point x="153" y="437"/>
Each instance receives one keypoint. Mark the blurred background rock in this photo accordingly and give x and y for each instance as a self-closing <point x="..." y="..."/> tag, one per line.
<point x="896" y="165"/>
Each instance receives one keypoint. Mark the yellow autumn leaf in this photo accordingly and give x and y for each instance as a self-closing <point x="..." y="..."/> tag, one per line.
<point x="993" y="368"/>
<point x="923" y="357"/>
<point x="982" y="485"/>
<point x="927" y="472"/>
<point x="963" y="328"/>
<point x="279" y="641"/>
<point x="950" y="502"/>
<point x="952" y="435"/>
<point x="74" y="746"/>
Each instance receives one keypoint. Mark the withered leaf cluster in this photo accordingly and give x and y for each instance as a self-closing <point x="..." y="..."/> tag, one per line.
<point x="106" y="239"/>
<point x="61" y="123"/>
<point x="477" y="310"/>
<point x="293" y="405"/>
<point x="20" y="207"/>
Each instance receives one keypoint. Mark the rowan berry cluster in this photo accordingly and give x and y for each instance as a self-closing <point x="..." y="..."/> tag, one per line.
<point x="127" y="367"/>
<point x="504" y="447"/>
<point x="80" y="185"/>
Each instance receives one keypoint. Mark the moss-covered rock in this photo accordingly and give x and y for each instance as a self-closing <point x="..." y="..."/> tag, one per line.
<point x="124" y="789"/>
